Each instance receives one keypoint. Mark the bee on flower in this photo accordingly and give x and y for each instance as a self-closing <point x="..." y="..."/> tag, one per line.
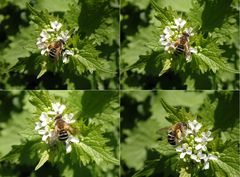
<point x="55" y="126"/>
<point x="195" y="143"/>
<point x="52" y="42"/>
<point x="176" y="38"/>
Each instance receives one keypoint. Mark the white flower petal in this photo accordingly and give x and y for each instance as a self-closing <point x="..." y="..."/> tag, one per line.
<point x="179" y="149"/>
<point x="61" y="109"/>
<point x="182" y="155"/>
<point x="199" y="146"/>
<point x="198" y="139"/>
<point x="189" y="152"/>
<point x="193" y="50"/>
<point x="41" y="132"/>
<point x="68" y="147"/>
<point x="38" y="125"/>
<point x="55" y="107"/>
<point x="44" y="137"/>
<point x="206" y="166"/>
<point x="51" y="113"/>
<point x="73" y="139"/>
<point x="56" y="25"/>
<point x="65" y="59"/>
<point x="44" y="116"/>
<point x="212" y="157"/>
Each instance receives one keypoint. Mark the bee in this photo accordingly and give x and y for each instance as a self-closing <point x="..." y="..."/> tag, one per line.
<point x="55" y="49"/>
<point x="62" y="129"/>
<point x="176" y="132"/>
<point x="182" y="45"/>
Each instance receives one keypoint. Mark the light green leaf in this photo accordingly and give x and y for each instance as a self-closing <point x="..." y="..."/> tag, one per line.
<point x="184" y="173"/>
<point x="134" y="149"/>
<point x="166" y="66"/>
<point x="43" y="159"/>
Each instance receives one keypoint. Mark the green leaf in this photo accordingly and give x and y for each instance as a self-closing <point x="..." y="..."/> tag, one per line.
<point x="43" y="159"/>
<point x="41" y="100"/>
<point x="166" y="66"/>
<point x="39" y="17"/>
<point x="92" y="146"/>
<point x="176" y="114"/>
<point x="148" y="169"/>
<point x="164" y="15"/>
<point x="228" y="163"/>
<point x="43" y="69"/>
<point x="142" y="137"/>
<point x="105" y="114"/>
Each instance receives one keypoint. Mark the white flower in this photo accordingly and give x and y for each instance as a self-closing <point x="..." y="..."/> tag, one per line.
<point x="206" y="160"/>
<point x="67" y="53"/>
<point x="184" y="150"/>
<point x="70" y="140"/>
<point x="69" y="118"/>
<point x="63" y="36"/>
<point x="201" y="146"/>
<point x="179" y="23"/>
<point x="46" y="132"/>
<point x="194" y="127"/>
<point x="44" y="121"/>
<point x="203" y="141"/>
<point x="44" y="36"/>
<point x="168" y="32"/>
<point x="57" y="109"/>
<point x="189" y="31"/>
<point x="193" y="50"/>
<point x="205" y="137"/>
<point x="55" y="26"/>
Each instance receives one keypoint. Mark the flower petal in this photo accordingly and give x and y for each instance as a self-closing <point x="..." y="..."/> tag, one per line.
<point x="73" y="139"/>
<point x="61" y="109"/>
<point x="206" y="166"/>
<point x="68" y="147"/>
<point x="199" y="146"/>
<point x="182" y="155"/>
<point x="44" y="137"/>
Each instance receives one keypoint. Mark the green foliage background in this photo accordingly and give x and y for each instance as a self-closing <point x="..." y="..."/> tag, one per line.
<point x="144" y="147"/>
<point x="21" y="146"/>
<point x="98" y="30"/>
<point x="142" y="59"/>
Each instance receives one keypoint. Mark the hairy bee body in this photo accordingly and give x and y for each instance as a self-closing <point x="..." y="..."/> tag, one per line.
<point x="55" y="49"/>
<point x="182" y="45"/>
<point x="176" y="132"/>
<point x="61" y="128"/>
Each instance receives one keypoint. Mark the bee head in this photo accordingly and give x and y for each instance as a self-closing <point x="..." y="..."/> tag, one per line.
<point x="62" y="41"/>
<point x="58" y="116"/>
<point x="186" y="34"/>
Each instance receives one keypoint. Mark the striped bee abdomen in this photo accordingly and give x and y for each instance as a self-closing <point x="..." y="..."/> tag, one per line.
<point x="52" y="53"/>
<point x="179" y="49"/>
<point x="63" y="135"/>
<point x="171" y="138"/>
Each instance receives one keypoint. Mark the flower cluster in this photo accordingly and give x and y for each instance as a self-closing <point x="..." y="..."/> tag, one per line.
<point x="173" y="33"/>
<point x="53" y="33"/>
<point x="195" y="146"/>
<point x="45" y="127"/>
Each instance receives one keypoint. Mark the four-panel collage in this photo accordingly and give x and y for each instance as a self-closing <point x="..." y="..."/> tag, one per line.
<point x="119" y="88"/>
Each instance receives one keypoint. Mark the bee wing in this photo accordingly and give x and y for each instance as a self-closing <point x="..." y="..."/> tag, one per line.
<point x="54" y="137"/>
